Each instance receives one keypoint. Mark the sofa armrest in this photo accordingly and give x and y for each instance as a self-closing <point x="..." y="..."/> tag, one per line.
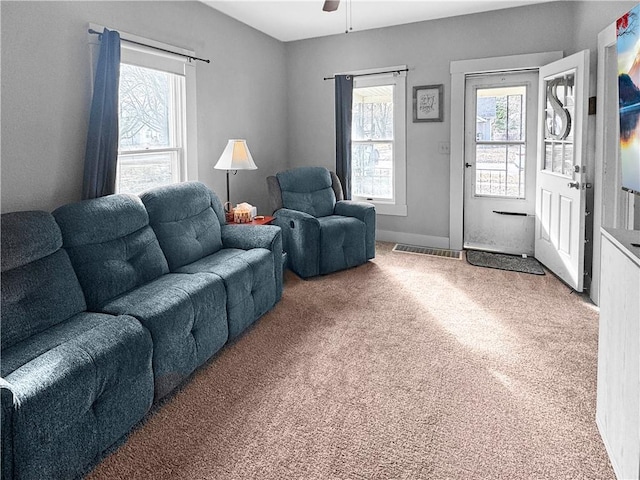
<point x="246" y="237"/>
<point x="301" y="241"/>
<point x="8" y="404"/>
<point x="365" y="212"/>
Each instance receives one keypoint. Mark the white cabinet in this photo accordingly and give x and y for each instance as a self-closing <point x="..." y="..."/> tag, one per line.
<point x="618" y="400"/>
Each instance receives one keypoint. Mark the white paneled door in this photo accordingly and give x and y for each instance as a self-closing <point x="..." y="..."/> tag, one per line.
<point x="561" y="178"/>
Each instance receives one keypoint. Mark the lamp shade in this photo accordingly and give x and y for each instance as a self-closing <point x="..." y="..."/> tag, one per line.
<point x="236" y="156"/>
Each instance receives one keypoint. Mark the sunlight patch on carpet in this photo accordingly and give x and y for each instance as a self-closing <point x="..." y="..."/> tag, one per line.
<point x="471" y="323"/>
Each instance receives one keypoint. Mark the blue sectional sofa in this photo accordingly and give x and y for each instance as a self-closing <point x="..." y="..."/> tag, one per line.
<point x="188" y="220"/>
<point x="108" y="305"/>
<point x="73" y="381"/>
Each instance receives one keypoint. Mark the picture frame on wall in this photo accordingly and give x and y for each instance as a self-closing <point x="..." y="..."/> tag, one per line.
<point x="428" y="101"/>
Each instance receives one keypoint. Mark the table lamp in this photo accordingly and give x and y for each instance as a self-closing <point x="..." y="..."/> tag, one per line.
<point x="236" y="156"/>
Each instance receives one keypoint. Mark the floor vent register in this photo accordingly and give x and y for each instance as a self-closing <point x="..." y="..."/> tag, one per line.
<point x="434" y="252"/>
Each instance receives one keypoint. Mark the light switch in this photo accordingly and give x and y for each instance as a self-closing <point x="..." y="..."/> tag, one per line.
<point x="443" y="147"/>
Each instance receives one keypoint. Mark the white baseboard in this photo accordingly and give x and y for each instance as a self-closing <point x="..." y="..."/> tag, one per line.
<point x="412" y="239"/>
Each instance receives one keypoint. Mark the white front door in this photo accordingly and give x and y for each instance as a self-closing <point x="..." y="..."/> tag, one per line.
<point x="500" y="141"/>
<point x="561" y="179"/>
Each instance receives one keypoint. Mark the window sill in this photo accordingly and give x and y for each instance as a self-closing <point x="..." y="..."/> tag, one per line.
<point x="383" y="208"/>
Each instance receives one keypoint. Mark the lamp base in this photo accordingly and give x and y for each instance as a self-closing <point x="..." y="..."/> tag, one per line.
<point x="228" y="212"/>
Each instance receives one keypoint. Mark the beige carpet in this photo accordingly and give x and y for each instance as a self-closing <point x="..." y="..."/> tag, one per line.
<point x="408" y="367"/>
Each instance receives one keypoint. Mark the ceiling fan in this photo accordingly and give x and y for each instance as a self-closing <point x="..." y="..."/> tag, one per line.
<point x="330" y="5"/>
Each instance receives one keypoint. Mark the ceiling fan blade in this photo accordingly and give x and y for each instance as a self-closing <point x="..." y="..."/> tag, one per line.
<point x="330" y="5"/>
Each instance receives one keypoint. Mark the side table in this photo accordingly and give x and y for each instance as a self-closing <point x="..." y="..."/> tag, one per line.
<point x="265" y="220"/>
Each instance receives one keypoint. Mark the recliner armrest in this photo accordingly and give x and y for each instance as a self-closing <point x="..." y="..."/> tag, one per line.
<point x="301" y="240"/>
<point x="365" y="212"/>
<point x="351" y="208"/>
<point x="295" y="215"/>
<point x="246" y="237"/>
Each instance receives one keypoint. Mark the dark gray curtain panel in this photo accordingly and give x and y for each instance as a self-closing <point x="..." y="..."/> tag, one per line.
<point x="344" y="100"/>
<point x="101" y="155"/>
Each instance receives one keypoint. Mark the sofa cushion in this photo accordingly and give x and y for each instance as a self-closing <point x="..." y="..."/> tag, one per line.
<point x="342" y="243"/>
<point x="307" y="189"/>
<point x="249" y="278"/>
<point x="111" y="245"/>
<point x="27" y="237"/>
<point x="78" y="387"/>
<point x="6" y="429"/>
<point x="39" y="286"/>
<point x="184" y="220"/>
<point x="186" y="317"/>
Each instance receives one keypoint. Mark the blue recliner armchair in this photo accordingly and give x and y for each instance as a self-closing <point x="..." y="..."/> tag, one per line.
<point x="321" y="232"/>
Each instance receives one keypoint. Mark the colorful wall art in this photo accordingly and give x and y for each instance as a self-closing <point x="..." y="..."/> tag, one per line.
<point x="628" y="46"/>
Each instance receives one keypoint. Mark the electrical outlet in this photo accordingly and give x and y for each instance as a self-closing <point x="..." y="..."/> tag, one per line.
<point x="443" y="147"/>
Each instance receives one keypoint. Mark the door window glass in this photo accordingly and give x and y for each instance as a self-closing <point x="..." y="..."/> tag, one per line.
<point x="558" y="129"/>
<point x="500" y="141"/>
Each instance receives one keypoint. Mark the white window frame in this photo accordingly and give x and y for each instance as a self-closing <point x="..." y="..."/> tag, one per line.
<point x="368" y="78"/>
<point x="133" y="54"/>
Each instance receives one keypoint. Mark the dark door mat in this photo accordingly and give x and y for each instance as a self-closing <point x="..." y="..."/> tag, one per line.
<point x="501" y="261"/>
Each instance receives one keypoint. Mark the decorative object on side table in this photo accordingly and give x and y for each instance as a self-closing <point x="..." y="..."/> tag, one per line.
<point x="236" y="156"/>
<point x="258" y="220"/>
<point x="428" y="103"/>
<point x="241" y="215"/>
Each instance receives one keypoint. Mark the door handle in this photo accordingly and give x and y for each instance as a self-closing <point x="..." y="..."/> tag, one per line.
<point x="575" y="185"/>
<point x="467" y="165"/>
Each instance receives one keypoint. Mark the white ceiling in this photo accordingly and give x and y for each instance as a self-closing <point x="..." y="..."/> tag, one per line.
<point x="289" y="20"/>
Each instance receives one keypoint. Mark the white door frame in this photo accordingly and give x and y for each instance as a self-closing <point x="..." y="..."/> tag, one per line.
<point x="612" y="207"/>
<point x="459" y="70"/>
<point x="607" y="138"/>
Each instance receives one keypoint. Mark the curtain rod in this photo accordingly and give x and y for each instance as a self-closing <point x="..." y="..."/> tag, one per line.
<point x="190" y="57"/>
<point x="372" y="73"/>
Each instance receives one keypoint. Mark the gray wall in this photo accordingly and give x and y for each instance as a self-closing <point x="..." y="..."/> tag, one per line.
<point x="46" y="93"/>
<point x="256" y="88"/>
<point x="427" y="48"/>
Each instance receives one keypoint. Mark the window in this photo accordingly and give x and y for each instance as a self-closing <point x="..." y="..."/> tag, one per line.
<point x="151" y="143"/>
<point x="500" y="141"/>
<point x="156" y="105"/>
<point x="378" y="165"/>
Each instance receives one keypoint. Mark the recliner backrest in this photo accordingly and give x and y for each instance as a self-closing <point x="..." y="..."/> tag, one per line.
<point x="111" y="245"/>
<point x="39" y="287"/>
<point x="275" y="193"/>
<point x="186" y="218"/>
<point x="307" y="189"/>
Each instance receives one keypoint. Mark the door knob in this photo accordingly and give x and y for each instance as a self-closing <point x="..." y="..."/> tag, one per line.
<point x="575" y="185"/>
<point x="467" y="165"/>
